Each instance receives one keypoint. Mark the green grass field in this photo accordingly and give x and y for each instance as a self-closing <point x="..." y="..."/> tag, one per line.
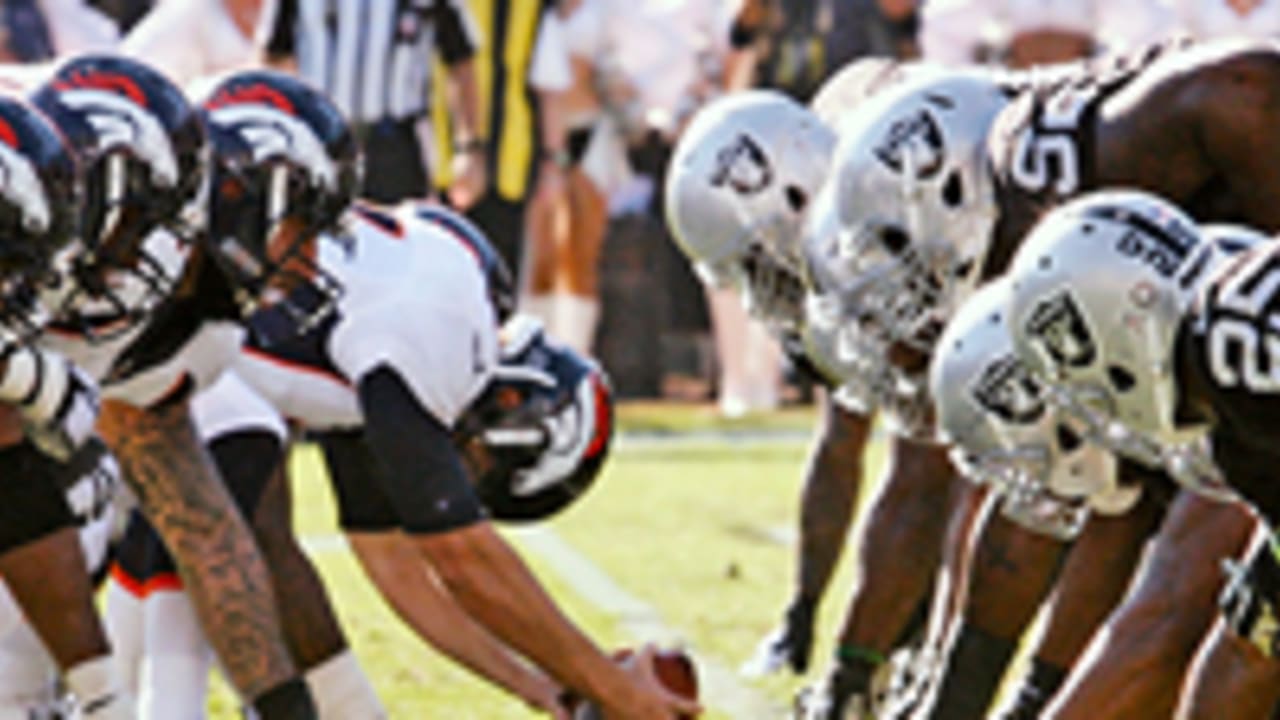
<point x="690" y="525"/>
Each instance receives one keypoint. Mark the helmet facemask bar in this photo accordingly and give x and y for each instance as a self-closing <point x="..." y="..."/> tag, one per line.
<point x="1093" y="409"/>
<point x="767" y="271"/>
<point x="1187" y="458"/>
<point x="118" y="282"/>
<point x="538" y="434"/>
<point x="251" y="209"/>
<point x="895" y="293"/>
<point x="22" y="315"/>
<point x="863" y="345"/>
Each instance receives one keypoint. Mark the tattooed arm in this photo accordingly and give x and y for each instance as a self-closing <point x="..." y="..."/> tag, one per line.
<point x="184" y="498"/>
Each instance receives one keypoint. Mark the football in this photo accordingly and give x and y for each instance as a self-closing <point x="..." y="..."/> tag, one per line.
<point x="677" y="672"/>
<point x="673" y="667"/>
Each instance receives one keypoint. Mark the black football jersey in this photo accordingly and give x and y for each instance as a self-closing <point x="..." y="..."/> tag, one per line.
<point x="1229" y="353"/>
<point x="1041" y="148"/>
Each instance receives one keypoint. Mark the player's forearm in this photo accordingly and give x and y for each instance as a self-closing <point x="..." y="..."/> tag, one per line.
<point x="182" y="495"/>
<point x="415" y="593"/>
<point x="826" y="513"/>
<point x="828" y="499"/>
<point x="466" y="102"/>
<point x="495" y="587"/>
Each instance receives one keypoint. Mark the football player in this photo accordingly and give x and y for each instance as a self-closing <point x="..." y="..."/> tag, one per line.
<point x="135" y="310"/>
<point x="338" y="298"/>
<point x="931" y="203"/>
<point x="533" y="443"/>
<point x="1051" y="480"/>
<point x="744" y="179"/>
<point x="1163" y="358"/>
<point x="49" y="627"/>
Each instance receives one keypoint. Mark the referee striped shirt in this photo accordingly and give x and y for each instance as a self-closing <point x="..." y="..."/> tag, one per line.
<point x="373" y="57"/>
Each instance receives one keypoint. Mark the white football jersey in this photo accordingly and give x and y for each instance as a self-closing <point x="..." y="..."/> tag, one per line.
<point x="414" y="299"/>
<point x="231" y="405"/>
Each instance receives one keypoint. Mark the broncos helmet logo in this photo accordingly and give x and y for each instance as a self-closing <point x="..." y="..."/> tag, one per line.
<point x="119" y="122"/>
<point x="20" y="184"/>
<point x="269" y="132"/>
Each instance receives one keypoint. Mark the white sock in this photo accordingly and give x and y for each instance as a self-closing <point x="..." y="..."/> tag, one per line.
<point x="176" y="659"/>
<point x="342" y="692"/>
<point x="98" y="692"/>
<point x="123" y="620"/>
<point x="576" y="317"/>
<point x="28" y="675"/>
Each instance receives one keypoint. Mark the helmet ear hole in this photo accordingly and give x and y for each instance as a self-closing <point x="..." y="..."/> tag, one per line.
<point x="797" y="198"/>
<point x="953" y="190"/>
<point x="895" y="239"/>
<point x="1121" y="379"/>
<point x="1068" y="439"/>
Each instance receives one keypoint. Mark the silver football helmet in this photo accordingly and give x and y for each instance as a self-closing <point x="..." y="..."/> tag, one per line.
<point x="917" y="202"/>
<point x="740" y="180"/>
<point x="1005" y="435"/>
<point x="1100" y="288"/>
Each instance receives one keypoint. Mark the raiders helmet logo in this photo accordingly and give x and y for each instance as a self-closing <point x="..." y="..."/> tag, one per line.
<point x="915" y="143"/>
<point x="1007" y="390"/>
<point x="1058" y="328"/>
<point x="743" y="166"/>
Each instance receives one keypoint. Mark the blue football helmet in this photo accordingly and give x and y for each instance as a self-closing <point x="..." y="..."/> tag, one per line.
<point x="545" y="422"/>
<point x="142" y="154"/>
<point x="283" y="158"/>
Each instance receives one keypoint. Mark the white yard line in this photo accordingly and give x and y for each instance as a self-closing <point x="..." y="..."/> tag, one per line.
<point x="697" y="438"/>
<point x="722" y="689"/>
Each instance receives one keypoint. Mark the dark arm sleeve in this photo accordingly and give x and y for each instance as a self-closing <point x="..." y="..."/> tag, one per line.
<point x="453" y="33"/>
<point x="421" y="471"/>
<point x="353" y="472"/>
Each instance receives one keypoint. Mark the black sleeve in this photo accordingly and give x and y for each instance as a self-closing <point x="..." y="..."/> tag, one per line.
<point x="32" y="501"/>
<point x="281" y="42"/>
<point x="421" y="470"/>
<point x="452" y="35"/>
<point x="353" y="472"/>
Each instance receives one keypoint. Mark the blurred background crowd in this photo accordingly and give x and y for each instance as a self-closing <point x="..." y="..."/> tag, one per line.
<point x="549" y="122"/>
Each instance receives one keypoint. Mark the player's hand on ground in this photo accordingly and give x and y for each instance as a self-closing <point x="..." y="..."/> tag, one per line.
<point x="545" y="695"/>
<point x="790" y="645"/>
